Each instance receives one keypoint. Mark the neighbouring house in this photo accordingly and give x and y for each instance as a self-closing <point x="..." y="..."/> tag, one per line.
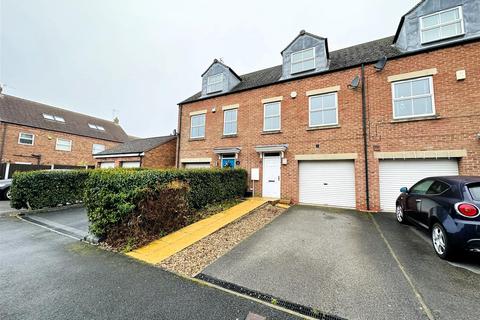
<point x="347" y="128"/>
<point x="155" y="152"/>
<point x="36" y="134"/>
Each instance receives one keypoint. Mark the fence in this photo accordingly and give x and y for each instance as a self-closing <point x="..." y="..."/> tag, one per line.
<point x="8" y="169"/>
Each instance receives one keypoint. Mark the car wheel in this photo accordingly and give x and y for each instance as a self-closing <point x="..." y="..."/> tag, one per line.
<point x="400" y="214"/>
<point x="440" y="242"/>
<point x="8" y="194"/>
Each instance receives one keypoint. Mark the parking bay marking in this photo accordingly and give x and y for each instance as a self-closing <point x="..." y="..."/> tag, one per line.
<point x="424" y="306"/>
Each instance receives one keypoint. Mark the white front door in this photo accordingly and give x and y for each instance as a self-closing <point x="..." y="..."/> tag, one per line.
<point x="271" y="176"/>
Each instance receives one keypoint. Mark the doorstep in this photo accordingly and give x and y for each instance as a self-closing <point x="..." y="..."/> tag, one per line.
<point x="159" y="250"/>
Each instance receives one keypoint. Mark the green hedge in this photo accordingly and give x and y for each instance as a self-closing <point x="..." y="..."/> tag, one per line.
<point x="41" y="189"/>
<point x="111" y="195"/>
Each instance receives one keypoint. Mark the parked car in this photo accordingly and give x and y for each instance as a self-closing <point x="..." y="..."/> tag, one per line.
<point x="5" y="188"/>
<point x="448" y="207"/>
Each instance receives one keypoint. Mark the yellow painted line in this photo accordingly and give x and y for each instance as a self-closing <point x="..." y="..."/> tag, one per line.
<point x="159" y="250"/>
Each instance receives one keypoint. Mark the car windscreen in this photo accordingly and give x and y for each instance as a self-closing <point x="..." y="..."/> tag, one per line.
<point x="474" y="189"/>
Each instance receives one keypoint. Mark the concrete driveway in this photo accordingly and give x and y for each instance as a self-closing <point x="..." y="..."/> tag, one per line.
<point x="5" y="208"/>
<point x="354" y="266"/>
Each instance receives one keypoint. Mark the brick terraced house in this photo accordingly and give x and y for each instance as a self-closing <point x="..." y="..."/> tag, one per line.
<point x="37" y="134"/>
<point x="347" y="128"/>
<point x="155" y="152"/>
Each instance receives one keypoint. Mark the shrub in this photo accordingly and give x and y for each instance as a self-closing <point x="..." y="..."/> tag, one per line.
<point x="41" y="189"/>
<point x="112" y="195"/>
<point x="152" y="217"/>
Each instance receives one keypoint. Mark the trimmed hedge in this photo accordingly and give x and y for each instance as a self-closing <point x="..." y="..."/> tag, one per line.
<point x="42" y="189"/>
<point x="111" y="195"/>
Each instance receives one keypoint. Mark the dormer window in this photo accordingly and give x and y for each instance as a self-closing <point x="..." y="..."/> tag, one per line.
<point x="53" y="118"/>
<point x="215" y="83"/>
<point x="303" y="60"/>
<point x="442" y="25"/>
<point x="96" y="127"/>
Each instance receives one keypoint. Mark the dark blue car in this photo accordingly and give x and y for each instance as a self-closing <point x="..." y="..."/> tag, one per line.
<point x="449" y="208"/>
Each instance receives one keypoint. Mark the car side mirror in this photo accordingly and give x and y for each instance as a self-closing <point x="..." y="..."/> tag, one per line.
<point x="404" y="190"/>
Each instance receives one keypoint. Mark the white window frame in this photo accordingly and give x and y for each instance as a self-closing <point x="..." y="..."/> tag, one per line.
<point x="461" y="20"/>
<point x="225" y="122"/>
<point x="97" y="144"/>
<point x="432" y="94"/>
<point x="204" y="115"/>
<point x="52" y="117"/>
<point x="26" y="144"/>
<point x="70" y="146"/>
<point x="209" y="85"/>
<point x="310" y="110"/>
<point x="96" y="127"/>
<point x="279" y="116"/>
<point x="297" y="52"/>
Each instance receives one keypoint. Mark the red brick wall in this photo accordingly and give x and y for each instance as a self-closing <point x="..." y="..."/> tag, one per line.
<point x="162" y="156"/>
<point x="44" y="144"/>
<point x="457" y="105"/>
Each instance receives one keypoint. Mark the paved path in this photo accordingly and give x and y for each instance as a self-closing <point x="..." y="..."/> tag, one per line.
<point x="44" y="275"/>
<point x="159" y="250"/>
<point x="351" y="265"/>
<point x="5" y="208"/>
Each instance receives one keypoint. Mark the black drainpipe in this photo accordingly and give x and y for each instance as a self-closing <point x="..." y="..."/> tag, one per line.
<point x="4" y="134"/>
<point x="365" y="138"/>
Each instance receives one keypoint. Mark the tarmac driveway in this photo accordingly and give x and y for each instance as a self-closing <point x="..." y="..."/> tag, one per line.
<point x="354" y="266"/>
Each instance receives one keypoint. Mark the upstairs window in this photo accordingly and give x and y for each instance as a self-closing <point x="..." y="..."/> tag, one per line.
<point x="323" y="110"/>
<point x="96" y="148"/>
<point x="271" y="116"/>
<point x="303" y="60"/>
<point x="63" y="145"/>
<point x="96" y="127"/>
<point x="442" y="25"/>
<point x="53" y="118"/>
<point x="26" y="139"/>
<point x="215" y="83"/>
<point x="413" y="98"/>
<point x="230" y="122"/>
<point x="197" y="129"/>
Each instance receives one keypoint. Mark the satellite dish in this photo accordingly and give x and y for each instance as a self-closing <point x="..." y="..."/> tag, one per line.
<point x="380" y="64"/>
<point x="355" y="83"/>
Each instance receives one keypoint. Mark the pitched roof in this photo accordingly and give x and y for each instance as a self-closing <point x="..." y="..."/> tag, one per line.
<point x="402" y="20"/>
<point x="303" y="33"/>
<point x="223" y="64"/>
<point x="340" y="59"/>
<point x="29" y="113"/>
<point x="137" y="146"/>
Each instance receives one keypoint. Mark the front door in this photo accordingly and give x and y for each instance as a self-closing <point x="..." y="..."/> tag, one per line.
<point x="271" y="176"/>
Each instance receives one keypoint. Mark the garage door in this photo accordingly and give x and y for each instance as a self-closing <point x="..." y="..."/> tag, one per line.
<point x="395" y="174"/>
<point x="330" y="183"/>
<point x="131" y="164"/>
<point x="197" y="165"/>
<point x="107" y="165"/>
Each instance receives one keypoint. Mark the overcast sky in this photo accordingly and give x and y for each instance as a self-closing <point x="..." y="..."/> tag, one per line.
<point x="141" y="57"/>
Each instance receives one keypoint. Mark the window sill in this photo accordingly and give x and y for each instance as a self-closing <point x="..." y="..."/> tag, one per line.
<point x="336" y="126"/>
<point x="226" y="136"/>
<point x="196" y="139"/>
<point x="271" y="132"/>
<point x="435" y="117"/>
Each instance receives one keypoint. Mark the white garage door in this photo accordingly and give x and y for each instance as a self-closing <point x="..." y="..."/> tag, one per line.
<point x="107" y="165"/>
<point x="197" y="165"/>
<point x="131" y="164"/>
<point x="330" y="183"/>
<point x="395" y="174"/>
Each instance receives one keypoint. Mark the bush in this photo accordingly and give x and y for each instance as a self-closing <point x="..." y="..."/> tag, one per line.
<point x="112" y="195"/>
<point x="41" y="189"/>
